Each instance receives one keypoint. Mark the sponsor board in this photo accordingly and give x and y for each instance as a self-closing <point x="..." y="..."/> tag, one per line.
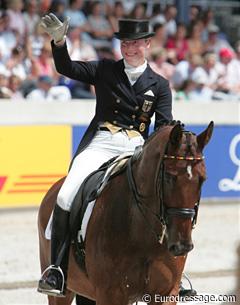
<point x="32" y="158"/>
<point x="222" y="161"/>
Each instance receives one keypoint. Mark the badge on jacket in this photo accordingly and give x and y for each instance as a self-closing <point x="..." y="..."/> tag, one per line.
<point x="147" y="105"/>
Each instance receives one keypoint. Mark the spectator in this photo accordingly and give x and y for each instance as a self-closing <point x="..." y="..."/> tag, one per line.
<point x="194" y="14"/>
<point x="178" y="43"/>
<point x="195" y="43"/>
<point x="78" y="18"/>
<point x="184" y="70"/>
<point x="4" y="50"/>
<point x="47" y="91"/>
<point x="43" y="65"/>
<point x="78" y="48"/>
<point x="101" y="30"/>
<point x="229" y="82"/>
<point x="214" y="42"/>
<point x="208" y="20"/>
<point x="57" y="7"/>
<point x="160" y="65"/>
<point x="30" y="16"/>
<point x="211" y="70"/>
<point x="14" y="85"/>
<point x="138" y="12"/>
<point x="237" y="52"/>
<point x="128" y="6"/>
<point x="16" y="20"/>
<point x="160" y="37"/>
<point x="195" y="89"/>
<point x="18" y="64"/>
<point x="35" y="42"/>
<point x="157" y="15"/>
<point x="181" y="95"/>
<point x="199" y="91"/>
<point x="44" y="6"/>
<point x="8" y="38"/>
<point x="117" y="13"/>
<point x="5" y="92"/>
<point x="170" y="14"/>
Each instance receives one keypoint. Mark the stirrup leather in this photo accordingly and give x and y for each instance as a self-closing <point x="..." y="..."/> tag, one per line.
<point x="53" y="292"/>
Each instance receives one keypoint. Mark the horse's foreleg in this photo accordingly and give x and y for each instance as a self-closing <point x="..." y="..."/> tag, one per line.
<point x="67" y="300"/>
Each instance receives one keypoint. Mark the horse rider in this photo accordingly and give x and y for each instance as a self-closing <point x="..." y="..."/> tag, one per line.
<point x="128" y="93"/>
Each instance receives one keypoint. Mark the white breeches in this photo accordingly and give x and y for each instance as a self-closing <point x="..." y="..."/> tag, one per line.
<point x="103" y="147"/>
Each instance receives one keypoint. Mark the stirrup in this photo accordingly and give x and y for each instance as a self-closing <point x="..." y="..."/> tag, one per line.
<point x="187" y="292"/>
<point x="52" y="292"/>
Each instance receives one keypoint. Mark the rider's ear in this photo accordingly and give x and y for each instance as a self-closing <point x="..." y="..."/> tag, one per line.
<point x="204" y="137"/>
<point x="176" y="135"/>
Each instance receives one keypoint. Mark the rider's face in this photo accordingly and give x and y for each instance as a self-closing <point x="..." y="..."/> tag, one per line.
<point x="134" y="51"/>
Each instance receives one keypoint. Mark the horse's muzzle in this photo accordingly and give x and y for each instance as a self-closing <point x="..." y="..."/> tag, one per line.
<point x="180" y="248"/>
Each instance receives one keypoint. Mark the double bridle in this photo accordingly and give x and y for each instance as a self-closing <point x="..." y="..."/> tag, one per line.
<point x="165" y="212"/>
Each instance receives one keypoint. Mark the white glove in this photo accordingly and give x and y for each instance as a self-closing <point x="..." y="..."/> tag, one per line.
<point x="54" y="27"/>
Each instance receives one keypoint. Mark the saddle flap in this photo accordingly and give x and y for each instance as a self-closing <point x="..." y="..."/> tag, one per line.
<point x="86" y="193"/>
<point x="92" y="187"/>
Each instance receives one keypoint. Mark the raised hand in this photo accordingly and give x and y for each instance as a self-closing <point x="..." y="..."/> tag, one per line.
<point x="54" y="27"/>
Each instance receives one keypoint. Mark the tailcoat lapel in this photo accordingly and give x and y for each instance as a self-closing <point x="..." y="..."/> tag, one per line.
<point x="123" y="81"/>
<point x="146" y="80"/>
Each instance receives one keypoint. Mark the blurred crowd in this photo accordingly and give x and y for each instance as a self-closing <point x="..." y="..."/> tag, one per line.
<point x="196" y="58"/>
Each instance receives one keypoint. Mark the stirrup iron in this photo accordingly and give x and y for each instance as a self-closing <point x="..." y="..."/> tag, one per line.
<point x="53" y="292"/>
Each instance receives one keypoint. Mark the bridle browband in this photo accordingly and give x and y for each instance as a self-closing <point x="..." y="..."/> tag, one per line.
<point x="187" y="158"/>
<point x="165" y="212"/>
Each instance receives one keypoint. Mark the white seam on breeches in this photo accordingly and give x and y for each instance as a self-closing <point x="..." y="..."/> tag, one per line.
<point x="103" y="147"/>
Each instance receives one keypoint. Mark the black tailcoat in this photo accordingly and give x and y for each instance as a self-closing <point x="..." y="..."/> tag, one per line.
<point x="117" y="101"/>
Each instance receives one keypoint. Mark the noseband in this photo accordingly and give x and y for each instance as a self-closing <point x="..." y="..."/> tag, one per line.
<point x="165" y="212"/>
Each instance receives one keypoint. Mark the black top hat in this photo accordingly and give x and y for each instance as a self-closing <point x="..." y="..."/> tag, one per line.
<point x="132" y="29"/>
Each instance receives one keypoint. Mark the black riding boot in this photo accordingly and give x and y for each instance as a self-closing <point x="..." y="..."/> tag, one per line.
<point x="53" y="278"/>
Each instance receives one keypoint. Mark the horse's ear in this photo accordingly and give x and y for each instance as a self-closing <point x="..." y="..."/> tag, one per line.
<point x="176" y="135"/>
<point x="204" y="137"/>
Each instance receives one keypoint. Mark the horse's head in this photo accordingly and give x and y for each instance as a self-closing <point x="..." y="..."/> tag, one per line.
<point x="182" y="174"/>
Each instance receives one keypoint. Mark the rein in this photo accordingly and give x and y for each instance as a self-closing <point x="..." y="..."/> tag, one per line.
<point x="138" y="199"/>
<point x="165" y="213"/>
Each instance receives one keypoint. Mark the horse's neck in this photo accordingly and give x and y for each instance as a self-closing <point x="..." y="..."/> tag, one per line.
<point x="147" y="167"/>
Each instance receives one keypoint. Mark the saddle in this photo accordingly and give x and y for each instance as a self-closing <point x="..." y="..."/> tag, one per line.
<point x="90" y="189"/>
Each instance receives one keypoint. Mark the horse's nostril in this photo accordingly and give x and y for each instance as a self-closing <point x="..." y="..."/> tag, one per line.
<point x="173" y="249"/>
<point x="189" y="247"/>
<point x="180" y="249"/>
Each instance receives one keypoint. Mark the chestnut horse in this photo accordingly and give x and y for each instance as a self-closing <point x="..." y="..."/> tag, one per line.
<point x="140" y="230"/>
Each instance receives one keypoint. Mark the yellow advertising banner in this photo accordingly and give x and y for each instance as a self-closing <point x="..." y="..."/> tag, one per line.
<point x="32" y="158"/>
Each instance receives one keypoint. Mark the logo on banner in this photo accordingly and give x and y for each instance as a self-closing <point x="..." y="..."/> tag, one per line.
<point x="3" y="180"/>
<point x="228" y="184"/>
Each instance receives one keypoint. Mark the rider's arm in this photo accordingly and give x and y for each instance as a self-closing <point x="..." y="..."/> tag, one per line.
<point x="163" y="110"/>
<point x="78" y="70"/>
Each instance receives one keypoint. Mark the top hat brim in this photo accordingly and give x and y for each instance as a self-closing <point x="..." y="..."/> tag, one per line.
<point x="133" y="36"/>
